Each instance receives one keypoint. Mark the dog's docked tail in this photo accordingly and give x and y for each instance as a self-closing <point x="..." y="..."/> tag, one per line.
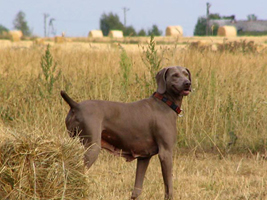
<point x="71" y="103"/>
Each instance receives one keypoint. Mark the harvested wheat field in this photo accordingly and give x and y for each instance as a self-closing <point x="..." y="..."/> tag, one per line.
<point x="221" y="144"/>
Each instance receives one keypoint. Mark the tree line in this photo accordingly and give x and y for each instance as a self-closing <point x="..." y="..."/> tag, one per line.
<point x="107" y="22"/>
<point x="111" y="21"/>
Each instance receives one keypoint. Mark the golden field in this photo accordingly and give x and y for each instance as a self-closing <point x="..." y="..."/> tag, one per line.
<point x="221" y="137"/>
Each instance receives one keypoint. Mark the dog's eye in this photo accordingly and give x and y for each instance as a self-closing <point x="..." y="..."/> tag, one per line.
<point x="175" y="75"/>
<point x="186" y="74"/>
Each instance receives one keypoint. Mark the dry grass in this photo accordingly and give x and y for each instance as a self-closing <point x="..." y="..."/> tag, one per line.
<point x="228" y="100"/>
<point x="204" y="176"/>
<point x="60" y="39"/>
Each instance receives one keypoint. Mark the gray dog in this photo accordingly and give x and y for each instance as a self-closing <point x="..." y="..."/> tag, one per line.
<point x="139" y="129"/>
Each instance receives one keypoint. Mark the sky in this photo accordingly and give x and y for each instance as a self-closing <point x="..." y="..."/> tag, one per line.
<point x="77" y="17"/>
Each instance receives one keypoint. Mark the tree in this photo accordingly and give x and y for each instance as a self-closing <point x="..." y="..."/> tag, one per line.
<point x="154" y="31"/>
<point x="200" y="28"/>
<point x="20" y="23"/>
<point x="252" y="17"/>
<point x="3" y="29"/>
<point x="110" y="22"/>
<point x="214" y="16"/>
<point x="129" y="31"/>
<point x="142" y="32"/>
<point x="214" y="29"/>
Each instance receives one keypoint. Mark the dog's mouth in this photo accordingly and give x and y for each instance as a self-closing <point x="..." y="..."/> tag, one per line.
<point x="183" y="92"/>
<point x="186" y="91"/>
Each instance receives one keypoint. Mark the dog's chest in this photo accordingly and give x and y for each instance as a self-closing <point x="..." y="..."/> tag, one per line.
<point x="130" y="148"/>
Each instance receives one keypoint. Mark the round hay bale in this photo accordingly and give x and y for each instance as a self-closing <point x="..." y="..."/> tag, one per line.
<point x="115" y="34"/>
<point x="38" y="165"/>
<point x="59" y="39"/>
<point x="174" y="31"/>
<point x="95" y="34"/>
<point x="229" y="31"/>
<point x="15" y="35"/>
<point x="19" y="32"/>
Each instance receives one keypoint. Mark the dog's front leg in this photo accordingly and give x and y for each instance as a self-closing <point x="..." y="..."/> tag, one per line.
<point x="91" y="154"/>
<point x="165" y="156"/>
<point x="142" y="164"/>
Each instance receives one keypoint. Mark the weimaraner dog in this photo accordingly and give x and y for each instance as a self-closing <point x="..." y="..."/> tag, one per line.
<point x="139" y="129"/>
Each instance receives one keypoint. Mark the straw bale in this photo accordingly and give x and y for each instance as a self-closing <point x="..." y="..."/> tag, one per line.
<point x="115" y="34"/>
<point x="229" y="31"/>
<point x="19" y="32"/>
<point x="38" y="165"/>
<point x="60" y="39"/>
<point x="174" y="31"/>
<point x="15" y="35"/>
<point x="95" y="34"/>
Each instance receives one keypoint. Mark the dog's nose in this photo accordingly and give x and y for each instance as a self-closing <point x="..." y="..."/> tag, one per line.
<point x="187" y="83"/>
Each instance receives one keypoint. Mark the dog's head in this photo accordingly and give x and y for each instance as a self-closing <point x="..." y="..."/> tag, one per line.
<point x="175" y="80"/>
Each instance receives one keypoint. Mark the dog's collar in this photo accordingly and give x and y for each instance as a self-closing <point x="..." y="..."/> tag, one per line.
<point x="168" y="102"/>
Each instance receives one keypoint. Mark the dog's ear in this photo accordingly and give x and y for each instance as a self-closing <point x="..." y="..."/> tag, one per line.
<point x="161" y="80"/>
<point x="189" y="77"/>
<point x="189" y="74"/>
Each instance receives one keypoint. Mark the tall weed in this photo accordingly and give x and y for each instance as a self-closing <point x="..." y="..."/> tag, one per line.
<point x="50" y="74"/>
<point x="153" y="62"/>
<point x="125" y="69"/>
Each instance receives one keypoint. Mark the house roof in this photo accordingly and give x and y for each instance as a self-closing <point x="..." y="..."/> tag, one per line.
<point x="244" y="25"/>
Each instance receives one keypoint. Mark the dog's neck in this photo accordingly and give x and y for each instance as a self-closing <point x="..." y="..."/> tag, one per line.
<point x="177" y="99"/>
<point x="173" y="103"/>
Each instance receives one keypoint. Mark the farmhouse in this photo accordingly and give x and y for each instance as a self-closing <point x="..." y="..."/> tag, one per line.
<point x="243" y="27"/>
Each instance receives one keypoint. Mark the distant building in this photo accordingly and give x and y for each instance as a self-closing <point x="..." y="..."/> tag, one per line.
<point x="243" y="27"/>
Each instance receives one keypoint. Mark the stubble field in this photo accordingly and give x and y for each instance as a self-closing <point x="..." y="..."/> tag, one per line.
<point x="221" y="137"/>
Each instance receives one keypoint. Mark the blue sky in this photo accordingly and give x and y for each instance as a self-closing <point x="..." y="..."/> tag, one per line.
<point x="78" y="17"/>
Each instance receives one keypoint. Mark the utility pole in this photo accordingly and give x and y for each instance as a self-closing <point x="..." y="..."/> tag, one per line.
<point x="45" y="17"/>
<point x="124" y="11"/>
<point x="208" y="18"/>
